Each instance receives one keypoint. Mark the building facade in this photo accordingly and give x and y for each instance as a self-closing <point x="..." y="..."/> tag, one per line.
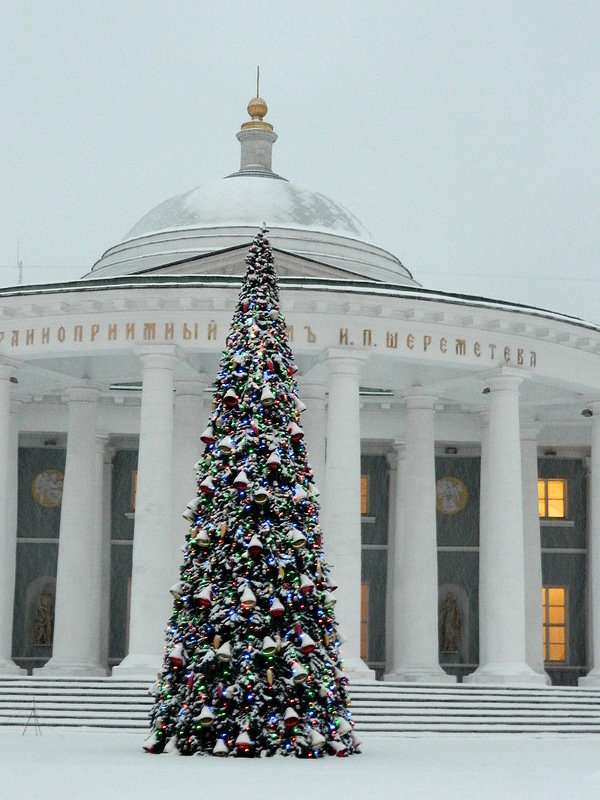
<point x="456" y="441"/>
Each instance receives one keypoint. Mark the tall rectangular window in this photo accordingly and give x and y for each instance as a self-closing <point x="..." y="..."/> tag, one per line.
<point x="364" y="619"/>
<point x="552" y="498"/>
<point x="364" y="495"/>
<point x="133" y="488"/>
<point x="555" y="623"/>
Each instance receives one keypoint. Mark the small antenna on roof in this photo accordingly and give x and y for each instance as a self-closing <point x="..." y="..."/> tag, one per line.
<point x="257" y="81"/>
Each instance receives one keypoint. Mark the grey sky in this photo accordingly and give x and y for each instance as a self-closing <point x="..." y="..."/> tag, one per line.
<point x="463" y="135"/>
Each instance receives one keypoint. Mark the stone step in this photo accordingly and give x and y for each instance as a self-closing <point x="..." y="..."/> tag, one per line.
<point x="377" y="707"/>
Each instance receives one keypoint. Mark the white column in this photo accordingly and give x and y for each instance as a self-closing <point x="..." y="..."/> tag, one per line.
<point x="8" y="514"/>
<point x="593" y="676"/>
<point x="104" y="470"/>
<point x="76" y="626"/>
<point x="416" y="645"/>
<point x="190" y="418"/>
<point x="341" y="515"/>
<point x="502" y="656"/>
<point x="394" y="602"/>
<point x="152" y="534"/>
<point x="314" y="424"/>
<point x="534" y="647"/>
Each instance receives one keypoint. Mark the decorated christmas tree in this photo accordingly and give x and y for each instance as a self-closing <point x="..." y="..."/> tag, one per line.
<point x="252" y="664"/>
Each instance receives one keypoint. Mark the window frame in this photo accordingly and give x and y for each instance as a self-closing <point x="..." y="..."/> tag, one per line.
<point x="543" y="482"/>
<point x="547" y="626"/>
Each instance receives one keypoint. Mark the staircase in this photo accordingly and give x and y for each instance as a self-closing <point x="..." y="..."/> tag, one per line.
<point x="378" y="708"/>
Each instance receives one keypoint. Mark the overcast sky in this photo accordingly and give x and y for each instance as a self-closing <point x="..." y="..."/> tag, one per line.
<point x="465" y="136"/>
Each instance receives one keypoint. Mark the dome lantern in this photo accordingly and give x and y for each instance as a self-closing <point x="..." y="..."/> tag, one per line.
<point x="256" y="138"/>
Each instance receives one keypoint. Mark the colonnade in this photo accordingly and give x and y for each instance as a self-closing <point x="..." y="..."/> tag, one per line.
<point x="509" y="555"/>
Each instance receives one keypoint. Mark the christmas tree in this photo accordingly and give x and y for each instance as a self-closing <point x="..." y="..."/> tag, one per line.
<point x="252" y="664"/>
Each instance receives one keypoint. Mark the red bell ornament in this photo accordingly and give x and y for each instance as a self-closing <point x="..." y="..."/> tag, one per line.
<point x="290" y="718"/>
<point x="207" y="486"/>
<point x="255" y="546"/>
<point x="296" y="432"/>
<point x="207" y="435"/>
<point x="241" y="481"/>
<point x="204" y="597"/>
<point x="231" y="399"/>
<point x="248" y="599"/>
<point x="273" y="461"/>
<point x="307" y="644"/>
<point x="299" y="493"/>
<point x="306" y="585"/>
<point x="277" y="610"/>
<point x="243" y="742"/>
<point x="176" y="655"/>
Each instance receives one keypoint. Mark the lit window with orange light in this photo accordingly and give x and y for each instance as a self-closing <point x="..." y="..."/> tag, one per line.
<point x="552" y="498"/>
<point x="364" y="495"/>
<point x="555" y="623"/>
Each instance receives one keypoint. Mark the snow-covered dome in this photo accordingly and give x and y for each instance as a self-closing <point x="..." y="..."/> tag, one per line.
<point x="225" y="213"/>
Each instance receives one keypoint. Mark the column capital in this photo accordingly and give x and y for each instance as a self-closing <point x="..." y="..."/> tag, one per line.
<point x="83" y="393"/>
<point x="159" y="356"/>
<point x="311" y="389"/>
<point x="193" y="386"/>
<point x="530" y="431"/>
<point x="417" y="397"/>
<point x="397" y="454"/>
<point x="341" y="362"/>
<point x="503" y="379"/>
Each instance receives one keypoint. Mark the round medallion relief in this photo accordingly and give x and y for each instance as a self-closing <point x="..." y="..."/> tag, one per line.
<point x="47" y="488"/>
<point x="451" y="495"/>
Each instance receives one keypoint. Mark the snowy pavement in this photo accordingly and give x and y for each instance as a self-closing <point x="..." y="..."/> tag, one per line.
<point x="89" y="765"/>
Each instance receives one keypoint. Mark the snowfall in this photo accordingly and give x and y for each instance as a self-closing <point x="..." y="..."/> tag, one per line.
<point x="85" y="764"/>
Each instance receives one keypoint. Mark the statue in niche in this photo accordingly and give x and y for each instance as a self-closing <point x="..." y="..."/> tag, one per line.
<point x="44" y="618"/>
<point x="450" y="624"/>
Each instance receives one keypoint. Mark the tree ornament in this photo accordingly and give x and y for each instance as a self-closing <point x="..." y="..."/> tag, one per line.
<point x="290" y="718"/>
<point x="299" y="405"/>
<point x="248" y="600"/>
<point x="343" y="726"/>
<point x="176" y="655"/>
<point x="231" y="399"/>
<point x="220" y="749"/>
<point x="299" y="493"/>
<point x="269" y="647"/>
<point x="328" y="600"/>
<point x="277" y="610"/>
<point x="270" y="676"/>
<point x="243" y="744"/>
<point x="307" y="644"/>
<point x="152" y="743"/>
<point x="206" y="717"/>
<point x="267" y="397"/>
<point x="255" y="546"/>
<point x="306" y="584"/>
<point x="207" y="486"/>
<point x="227" y="445"/>
<point x="260" y="496"/>
<point x="207" y="435"/>
<point x="191" y="510"/>
<point x="202" y="539"/>
<point x="298" y="538"/>
<point x="204" y="596"/>
<point x="224" y="652"/>
<point x="273" y="461"/>
<point x="177" y="589"/>
<point x="296" y="432"/>
<point x="241" y="481"/>
<point x="316" y="739"/>
<point x="299" y="674"/>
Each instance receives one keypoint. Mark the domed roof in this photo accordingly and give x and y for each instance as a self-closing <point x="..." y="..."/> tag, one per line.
<point x="246" y="200"/>
<point x="225" y="214"/>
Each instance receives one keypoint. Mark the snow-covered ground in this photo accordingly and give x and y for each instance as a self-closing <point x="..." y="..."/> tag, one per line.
<point x="88" y="765"/>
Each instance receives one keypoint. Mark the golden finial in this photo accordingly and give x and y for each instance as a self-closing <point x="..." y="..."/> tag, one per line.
<point x="257" y="109"/>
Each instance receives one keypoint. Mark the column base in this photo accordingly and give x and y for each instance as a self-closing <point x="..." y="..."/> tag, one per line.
<point x="71" y="669"/>
<point x="357" y="670"/>
<point x="416" y="674"/>
<point x="507" y="674"/>
<point x="592" y="679"/>
<point x="142" y="666"/>
<point x="8" y="667"/>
